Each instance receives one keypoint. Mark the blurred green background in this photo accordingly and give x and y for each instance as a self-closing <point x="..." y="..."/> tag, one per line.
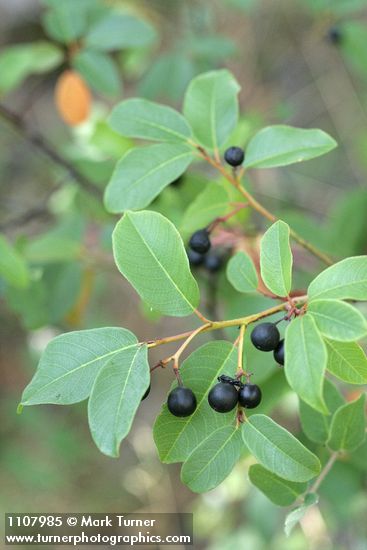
<point x="299" y="62"/>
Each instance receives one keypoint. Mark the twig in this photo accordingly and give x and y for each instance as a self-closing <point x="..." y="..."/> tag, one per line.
<point x="217" y="325"/>
<point x="324" y="472"/>
<point x="40" y="143"/>
<point x="260" y="208"/>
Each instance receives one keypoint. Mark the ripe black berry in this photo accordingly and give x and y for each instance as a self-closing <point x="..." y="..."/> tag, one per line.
<point x="334" y="35"/>
<point x="213" y="263"/>
<point x="249" y="396"/>
<point x="279" y="353"/>
<point x="195" y="258"/>
<point x="234" y="156"/>
<point x="265" y="336"/>
<point x="146" y="393"/>
<point x="200" y="241"/>
<point x="223" y="397"/>
<point x="181" y="401"/>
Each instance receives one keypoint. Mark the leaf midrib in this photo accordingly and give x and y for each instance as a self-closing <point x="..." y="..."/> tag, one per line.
<point x="280" y="449"/>
<point x="163" y="128"/>
<point x="83" y="365"/>
<point x="156" y="168"/>
<point x="128" y="218"/>
<point x="219" y="450"/>
<point x="344" y="360"/>
<point x="258" y="160"/>
<point x="336" y="287"/>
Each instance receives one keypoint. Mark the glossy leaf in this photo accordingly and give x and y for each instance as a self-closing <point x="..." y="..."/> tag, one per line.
<point x="278" y="450"/>
<point x="213" y="459"/>
<point x="143" y="173"/>
<point x="345" y="280"/>
<point x="13" y="268"/>
<point x="282" y="145"/>
<point x="276" y="259"/>
<point x="71" y="362"/>
<point x="315" y="424"/>
<point x="241" y="273"/>
<point x="117" y="31"/>
<point x="115" y="397"/>
<point x="149" y="252"/>
<point x="280" y="491"/>
<point x="211" y="203"/>
<point x="140" y="118"/>
<point x="98" y="70"/>
<point x="298" y="513"/>
<point x="305" y="361"/>
<point x="175" y="437"/>
<point x="211" y="107"/>
<point x="347" y="361"/>
<point x="348" y="427"/>
<point x="338" y="320"/>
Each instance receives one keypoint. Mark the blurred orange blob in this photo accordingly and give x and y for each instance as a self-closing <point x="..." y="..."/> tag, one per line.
<point x="72" y="98"/>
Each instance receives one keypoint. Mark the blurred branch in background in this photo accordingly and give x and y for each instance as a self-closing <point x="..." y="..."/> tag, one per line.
<point x="41" y="144"/>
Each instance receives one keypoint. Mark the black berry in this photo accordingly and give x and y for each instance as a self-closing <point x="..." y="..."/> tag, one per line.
<point x="249" y="396"/>
<point x="195" y="258"/>
<point x="334" y="35"/>
<point x="223" y="397"/>
<point x="181" y="401"/>
<point x="213" y="263"/>
<point x="265" y="336"/>
<point x="279" y="353"/>
<point x="234" y="156"/>
<point x="200" y="241"/>
<point x="146" y="393"/>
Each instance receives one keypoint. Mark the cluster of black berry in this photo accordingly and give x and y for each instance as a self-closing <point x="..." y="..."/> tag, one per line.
<point x="229" y="392"/>
<point x="223" y="397"/>
<point x="199" y="246"/>
<point x="266" y="337"/>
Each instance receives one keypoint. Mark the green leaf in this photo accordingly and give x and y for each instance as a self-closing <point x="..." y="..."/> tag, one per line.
<point x="65" y="21"/>
<point x="276" y="259"/>
<point x="149" y="252"/>
<point x="19" y="61"/>
<point x="115" y="397"/>
<point x="52" y="247"/>
<point x="212" y="460"/>
<point x="338" y="320"/>
<point x="282" y="145"/>
<point x="98" y="70"/>
<point x="117" y="31"/>
<point x="298" y="513"/>
<point x="241" y="273"/>
<point x="12" y="266"/>
<point x="348" y="427"/>
<point x="278" y="450"/>
<point x="347" y="361"/>
<point x="175" y="437"/>
<point x="211" y="107"/>
<point x="168" y="76"/>
<point x="280" y="491"/>
<point x="211" y="203"/>
<point x="71" y="362"/>
<point x="305" y="361"/>
<point x="345" y="280"/>
<point x="315" y="424"/>
<point x="140" y="118"/>
<point x="142" y="173"/>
